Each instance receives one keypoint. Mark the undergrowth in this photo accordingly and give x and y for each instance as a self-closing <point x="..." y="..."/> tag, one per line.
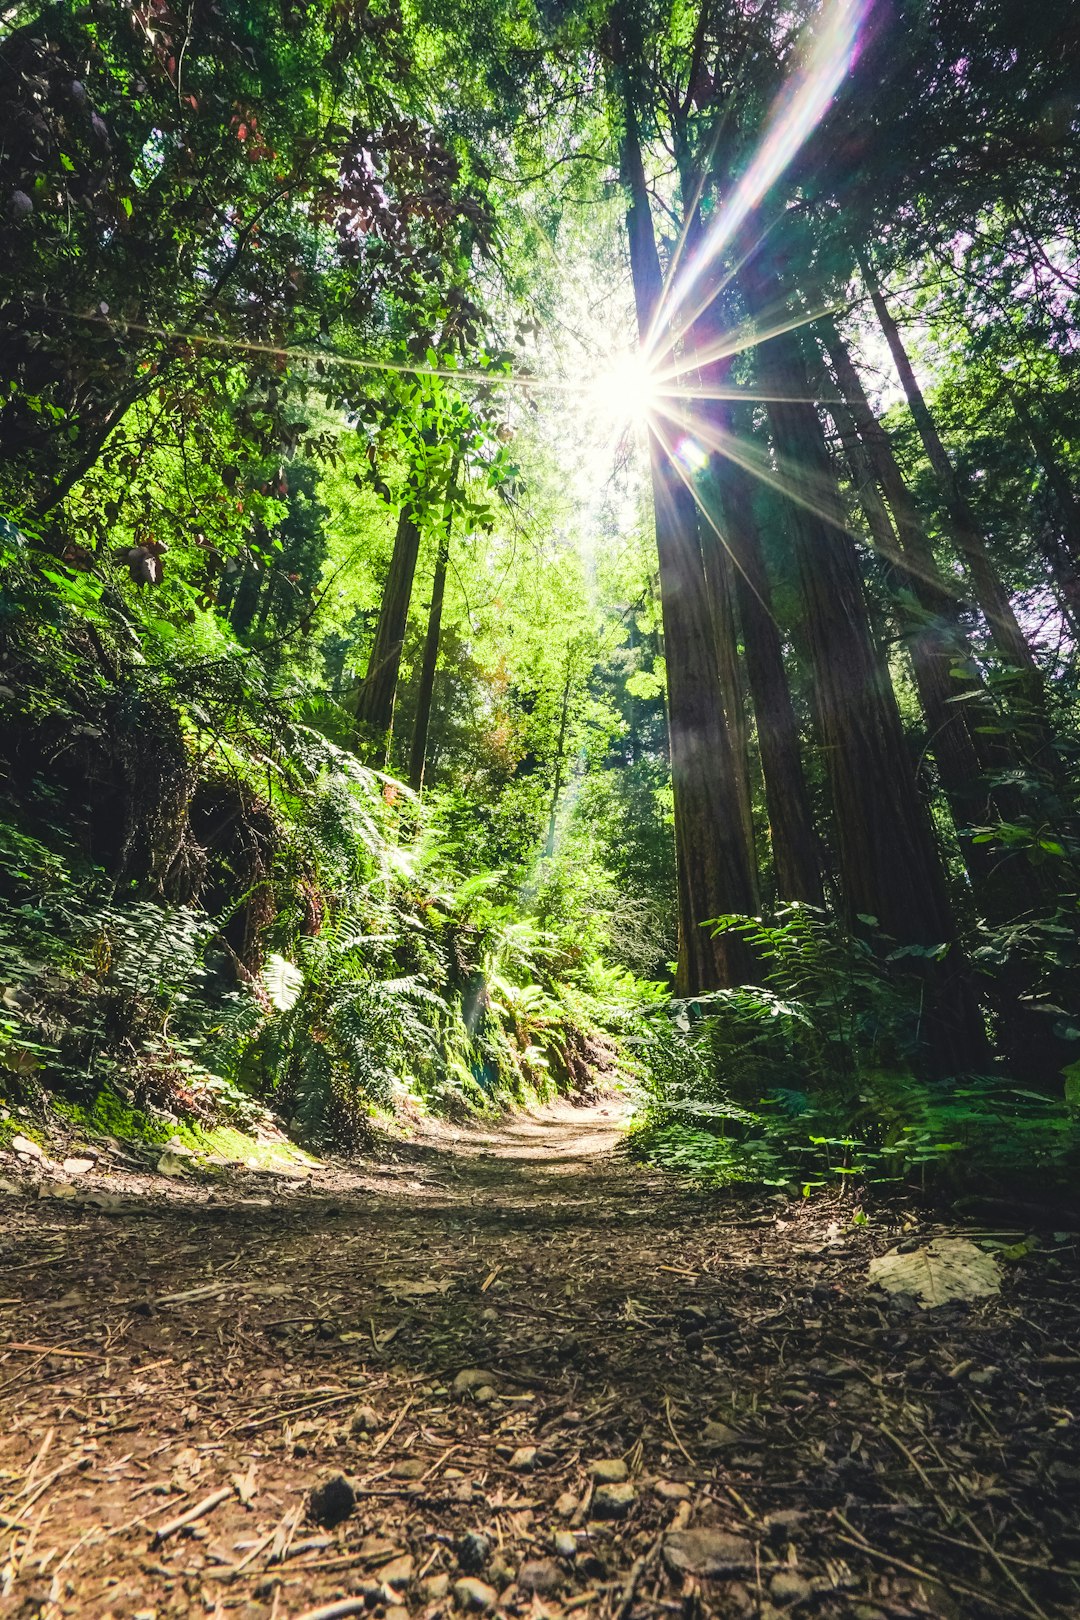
<point x="807" y="1081"/>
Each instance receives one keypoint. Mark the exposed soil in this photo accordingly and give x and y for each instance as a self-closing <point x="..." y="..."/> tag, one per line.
<point x="168" y="1346"/>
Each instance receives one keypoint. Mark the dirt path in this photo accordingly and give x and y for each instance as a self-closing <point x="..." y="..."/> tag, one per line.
<point x="791" y="1442"/>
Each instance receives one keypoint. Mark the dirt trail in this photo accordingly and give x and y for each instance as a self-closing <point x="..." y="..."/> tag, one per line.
<point x="792" y="1441"/>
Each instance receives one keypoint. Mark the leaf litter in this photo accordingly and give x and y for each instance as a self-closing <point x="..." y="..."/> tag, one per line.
<point x="523" y="1376"/>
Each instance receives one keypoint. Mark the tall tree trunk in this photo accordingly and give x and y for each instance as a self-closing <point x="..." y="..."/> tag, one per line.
<point x="934" y="654"/>
<point x="715" y="868"/>
<point x="720" y="583"/>
<point x="375" y="705"/>
<point x="430" y="660"/>
<point x="889" y="865"/>
<point x="990" y="593"/>
<point x="426" y="689"/>
<point x="970" y="740"/>
<point x="796" y="865"/>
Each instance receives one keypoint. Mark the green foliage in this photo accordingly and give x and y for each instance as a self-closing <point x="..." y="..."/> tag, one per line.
<point x="805" y="1080"/>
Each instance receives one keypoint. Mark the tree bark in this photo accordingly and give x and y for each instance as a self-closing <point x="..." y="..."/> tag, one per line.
<point x="715" y="868"/>
<point x="889" y="865"/>
<point x="796" y="864"/>
<point x="429" y="663"/>
<point x="375" y="706"/>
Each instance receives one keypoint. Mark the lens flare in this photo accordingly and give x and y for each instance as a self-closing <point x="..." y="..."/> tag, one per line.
<point x="624" y="390"/>
<point x="800" y="106"/>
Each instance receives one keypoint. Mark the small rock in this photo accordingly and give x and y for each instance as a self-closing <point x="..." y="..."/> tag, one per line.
<point x="473" y="1378"/>
<point x="435" y="1587"/>
<point x="171" y="1164"/>
<point x="565" y="1543"/>
<point x="77" y="1167"/>
<point x="397" y="1611"/>
<point x="613" y="1501"/>
<point x="716" y="1434"/>
<point x="788" y="1587"/>
<point x="672" y="1490"/>
<point x="541" y="1577"/>
<point x="474" y="1596"/>
<point x="609" y="1471"/>
<point x="409" y="1468"/>
<point x="473" y="1552"/>
<point x="499" y="1572"/>
<point x="398" y="1572"/>
<point x="706" y="1552"/>
<point x="566" y="1505"/>
<point x="485" y="1395"/>
<point x="331" y="1503"/>
<point x="365" y="1420"/>
<point x="524" y="1460"/>
<point x="28" y="1149"/>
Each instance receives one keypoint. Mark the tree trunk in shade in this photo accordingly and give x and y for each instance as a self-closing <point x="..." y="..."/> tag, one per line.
<point x="890" y="868"/>
<point x="375" y="706"/>
<point x="715" y="867"/>
<point x="990" y="593"/>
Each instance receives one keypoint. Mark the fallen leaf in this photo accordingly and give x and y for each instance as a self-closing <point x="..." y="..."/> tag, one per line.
<point x="945" y="1269"/>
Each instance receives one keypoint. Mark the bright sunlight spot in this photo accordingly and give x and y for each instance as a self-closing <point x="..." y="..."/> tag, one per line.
<point x="624" y="390"/>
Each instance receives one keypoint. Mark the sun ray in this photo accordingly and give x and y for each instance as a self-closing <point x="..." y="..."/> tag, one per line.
<point x="800" y="106"/>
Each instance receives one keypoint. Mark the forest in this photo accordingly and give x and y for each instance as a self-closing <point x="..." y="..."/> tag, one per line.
<point x="539" y="808"/>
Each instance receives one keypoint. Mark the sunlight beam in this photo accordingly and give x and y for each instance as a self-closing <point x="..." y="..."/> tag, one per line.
<point x="800" y="106"/>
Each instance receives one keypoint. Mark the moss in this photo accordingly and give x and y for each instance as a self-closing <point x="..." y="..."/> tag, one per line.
<point x="11" y="1126"/>
<point x="112" y="1116"/>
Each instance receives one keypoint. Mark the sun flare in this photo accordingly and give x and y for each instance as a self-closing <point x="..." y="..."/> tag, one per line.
<point x="624" y="390"/>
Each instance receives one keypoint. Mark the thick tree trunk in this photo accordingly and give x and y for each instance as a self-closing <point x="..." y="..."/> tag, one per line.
<point x="889" y="865"/>
<point x="720" y="584"/>
<point x="796" y="866"/>
<point x="429" y="663"/>
<point x="375" y="706"/>
<point x="969" y="739"/>
<point x="990" y="593"/>
<point x="715" y="868"/>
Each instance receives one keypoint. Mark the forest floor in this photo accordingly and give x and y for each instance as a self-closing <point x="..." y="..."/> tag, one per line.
<point x="244" y="1396"/>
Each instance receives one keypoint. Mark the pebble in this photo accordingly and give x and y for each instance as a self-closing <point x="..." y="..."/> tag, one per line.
<point x="613" y="1501"/>
<point x="474" y="1596"/>
<point x="788" y="1587"/>
<point x="524" y="1459"/>
<point x="435" y="1587"/>
<point x="540" y="1577"/>
<point x="564" y="1543"/>
<point x="566" y="1505"/>
<point x="365" y="1420"/>
<point x="706" y="1552"/>
<point x="473" y="1378"/>
<point x="331" y="1503"/>
<point x="409" y="1468"/>
<point x="473" y="1552"/>
<point x="672" y="1490"/>
<point x="398" y="1572"/>
<point x="609" y="1471"/>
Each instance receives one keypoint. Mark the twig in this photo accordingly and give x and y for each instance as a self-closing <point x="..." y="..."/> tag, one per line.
<point x="250" y="1424"/>
<point x="335" y="1611"/>
<point x="389" y="1434"/>
<point x="52" y="1350"/>
<point x="858" y="1541"/>
<point x="637" y="1570"/>
<point x="207" y="1505"/>
<point x="674" y="1435"/>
